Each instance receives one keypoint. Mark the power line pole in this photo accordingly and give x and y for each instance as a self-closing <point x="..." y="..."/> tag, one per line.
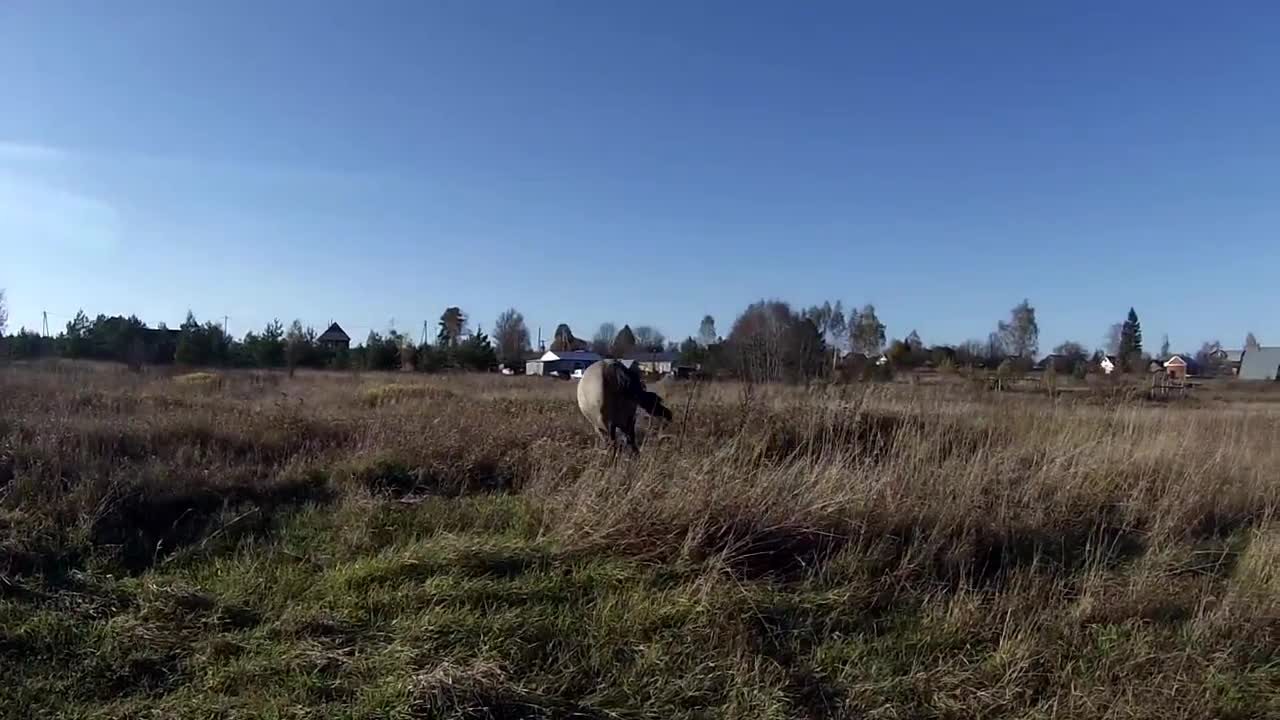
<point x="224" y="326"/>
<point x="425" y="324"/>
<point x="45" y="313"/>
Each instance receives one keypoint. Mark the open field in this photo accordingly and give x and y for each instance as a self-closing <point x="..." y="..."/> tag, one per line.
<point x="248" y="545"/>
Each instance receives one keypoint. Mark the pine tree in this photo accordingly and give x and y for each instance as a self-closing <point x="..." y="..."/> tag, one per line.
<point x="1131" y="341"/>
<point x="624" y="342"/>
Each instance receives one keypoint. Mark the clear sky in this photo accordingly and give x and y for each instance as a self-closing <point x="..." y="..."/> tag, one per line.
<point x="644" y="162"/>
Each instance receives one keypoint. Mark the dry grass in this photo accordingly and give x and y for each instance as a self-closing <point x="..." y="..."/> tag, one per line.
<point x="401" y="546"/>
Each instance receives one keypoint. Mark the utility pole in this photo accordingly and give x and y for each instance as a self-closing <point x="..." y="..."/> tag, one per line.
<point x="224" y="326"/>
<point x="425" y="325"/>
<point x="45" y="313"/>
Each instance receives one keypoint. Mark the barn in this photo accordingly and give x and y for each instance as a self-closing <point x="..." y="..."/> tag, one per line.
<point x="1261" y="363"/>
<point x="560" y="361"/>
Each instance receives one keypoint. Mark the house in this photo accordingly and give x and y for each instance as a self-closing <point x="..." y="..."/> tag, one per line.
<point x="1231" y="359"/>
<point x="560" y="362"/>
<point x="1108" y="364"/>
<point x="334" y="339"/>
<point x="652" y="363"/>
<point x="1179" y="367"/>
<point x="1060" y="363"/>
<point x="1261" y="363"/>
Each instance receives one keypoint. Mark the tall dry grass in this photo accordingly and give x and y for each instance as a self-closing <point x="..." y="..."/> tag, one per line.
<point x="838" y="542"/>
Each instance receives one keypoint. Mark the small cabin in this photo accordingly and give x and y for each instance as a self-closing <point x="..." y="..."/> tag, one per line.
<point x="1177" y="368"/>
<point x="334" y="339"/>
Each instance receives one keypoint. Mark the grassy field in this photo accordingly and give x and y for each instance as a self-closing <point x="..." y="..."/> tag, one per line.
<point x="387" y="546"/>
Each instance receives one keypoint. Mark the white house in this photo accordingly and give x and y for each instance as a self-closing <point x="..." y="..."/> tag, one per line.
<point x="1108" y="365"/>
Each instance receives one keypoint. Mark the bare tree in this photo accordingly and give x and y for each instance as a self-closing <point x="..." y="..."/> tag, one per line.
<point x="4" y="313"/>
<point x="997" y="351"/>
<point x="1164" y="347"/>
<point x="602" y="341"/>
<point x="1250" y="342"/>
<point x="648" y="337"/>
<point x="707" y="331"/>
<point x="759" y="339"/>
<point x="1210" y="358"/>
<point x="866" y="332"/>
<point x="971" y="352"/>
<point x="1111" y="340"/>
<point x="511" y="336"/>
<point x="830" y="321"/>
<point x="1021" y="335"/>
<point x="1071" y="355"/>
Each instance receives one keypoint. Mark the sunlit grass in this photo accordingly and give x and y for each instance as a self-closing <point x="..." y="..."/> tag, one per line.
<point x="394" y="546"/>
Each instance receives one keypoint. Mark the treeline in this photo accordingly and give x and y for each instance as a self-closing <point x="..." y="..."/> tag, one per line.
<point x="129" y="340"/>
<point x="768" y="341"/>
<point x="771" y="341"/>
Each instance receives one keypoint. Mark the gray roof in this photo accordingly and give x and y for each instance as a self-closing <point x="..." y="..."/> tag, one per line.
<point x="570" y="356"/>
<point x="1260" y="364"/>
<point x="1234" y="355"/>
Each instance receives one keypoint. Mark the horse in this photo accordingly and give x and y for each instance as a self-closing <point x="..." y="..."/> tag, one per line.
<point x="608" y="395"/>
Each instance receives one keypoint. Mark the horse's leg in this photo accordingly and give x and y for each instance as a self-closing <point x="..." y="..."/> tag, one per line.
<point x="629" y="430"/>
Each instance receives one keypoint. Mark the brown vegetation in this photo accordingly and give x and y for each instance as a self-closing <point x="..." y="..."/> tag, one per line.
<point x="456" y="546"/>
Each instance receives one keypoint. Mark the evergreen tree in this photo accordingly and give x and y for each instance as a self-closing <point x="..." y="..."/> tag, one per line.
<point x="452" y="325"/>
<point x="193" y="344"/>
<point x="625" y="342"/>
<point x="476" y="353"/>
<point x="1131" y="341"/>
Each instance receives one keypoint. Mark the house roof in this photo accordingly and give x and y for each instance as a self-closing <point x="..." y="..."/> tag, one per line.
<point x="1260" y="364"/>
<point x="1176" y="360"/>
<point x="334" y="333"/>
<point x="570" y="355"/>
<point x="1234" y="356"/>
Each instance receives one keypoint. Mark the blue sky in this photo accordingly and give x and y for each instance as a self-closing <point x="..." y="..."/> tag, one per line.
<point x="649" y="163"/>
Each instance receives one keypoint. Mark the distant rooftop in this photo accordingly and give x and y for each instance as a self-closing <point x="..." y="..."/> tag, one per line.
<point x="334" y="333"/>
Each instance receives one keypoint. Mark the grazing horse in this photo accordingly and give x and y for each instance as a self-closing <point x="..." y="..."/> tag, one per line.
<point x="608" y="394"/>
